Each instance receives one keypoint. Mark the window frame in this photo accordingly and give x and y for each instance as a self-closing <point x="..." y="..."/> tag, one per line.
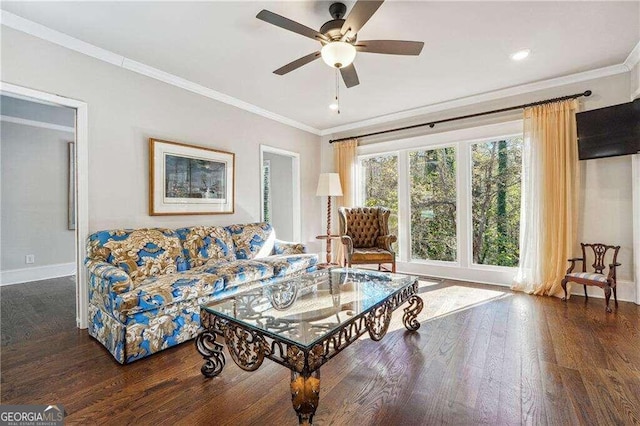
<point x="462" y="139"/>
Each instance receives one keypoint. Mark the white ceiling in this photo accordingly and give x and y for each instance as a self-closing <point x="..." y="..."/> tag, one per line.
<point x="222" y="46"/>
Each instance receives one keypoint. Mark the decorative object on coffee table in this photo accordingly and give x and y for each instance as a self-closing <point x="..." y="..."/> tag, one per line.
<point x="187" y="179"/>
<point x="302" y="322"/>
<point x="597" y="277"/>
<point x="329" y="186"/>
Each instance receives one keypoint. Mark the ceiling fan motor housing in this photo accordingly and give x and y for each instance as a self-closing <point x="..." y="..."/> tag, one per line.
<point x="332" y="28"/>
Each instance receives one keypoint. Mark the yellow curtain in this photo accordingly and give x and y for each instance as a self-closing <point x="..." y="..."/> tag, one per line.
<point x="345" y="162"/>
<point x="549" y="220"/>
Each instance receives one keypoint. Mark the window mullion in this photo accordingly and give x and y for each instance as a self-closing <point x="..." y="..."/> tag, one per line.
<point x="463" y="177"/>
<point x="404" y="208"/>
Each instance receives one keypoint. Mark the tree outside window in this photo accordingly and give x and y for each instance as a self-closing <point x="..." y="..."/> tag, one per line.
<point x="433" y="204"/>
<point x="496" y="183"/>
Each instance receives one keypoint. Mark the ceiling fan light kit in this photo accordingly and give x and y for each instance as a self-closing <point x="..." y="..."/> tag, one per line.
<point x="338" y="54"/>
<point x="338" y="38"/>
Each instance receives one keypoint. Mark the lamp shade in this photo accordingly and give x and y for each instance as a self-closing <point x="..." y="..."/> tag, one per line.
<point x="329" y="184"/>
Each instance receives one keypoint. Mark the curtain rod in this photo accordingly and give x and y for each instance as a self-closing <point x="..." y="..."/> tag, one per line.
<point x="463" y="117"/>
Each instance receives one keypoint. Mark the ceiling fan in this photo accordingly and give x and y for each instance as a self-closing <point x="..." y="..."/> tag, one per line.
<point x="339" y="39"/>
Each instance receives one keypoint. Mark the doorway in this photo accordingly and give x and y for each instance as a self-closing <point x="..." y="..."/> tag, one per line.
<point x="280" y="191"/>
<point x="28" y="108"/>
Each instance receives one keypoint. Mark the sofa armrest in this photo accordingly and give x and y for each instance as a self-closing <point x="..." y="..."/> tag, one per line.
<point x="286" y="247"/>
<point x="111" y="278"/>
<point x="385" y="241"/>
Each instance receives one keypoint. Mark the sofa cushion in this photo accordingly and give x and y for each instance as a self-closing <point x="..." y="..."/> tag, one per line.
<point x="289" y="264"/>
<point x="252" y="241"/>
<point x="141" y="253"/>
<point x="203" y="243"/>
<point x="165" y="290"/>
<point x="237" y="272"/>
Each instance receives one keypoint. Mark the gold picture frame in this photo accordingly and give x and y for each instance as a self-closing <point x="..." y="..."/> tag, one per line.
<point x="190" y="180"/>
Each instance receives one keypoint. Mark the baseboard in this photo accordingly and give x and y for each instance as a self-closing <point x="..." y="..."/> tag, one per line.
<point x="37" y="273"/>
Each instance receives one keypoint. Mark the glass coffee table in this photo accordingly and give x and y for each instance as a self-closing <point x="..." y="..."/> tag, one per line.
<point x="302" y="322"/>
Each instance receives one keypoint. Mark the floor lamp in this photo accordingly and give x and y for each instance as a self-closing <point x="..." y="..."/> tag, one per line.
<point x="329" y="186"/>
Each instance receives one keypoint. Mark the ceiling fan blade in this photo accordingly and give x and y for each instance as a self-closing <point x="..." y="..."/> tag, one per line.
<point x="288" y="24"/>
<point x="360" y="13"/>
<point x="350" y="76"/>
<point x="297" y="63"/>
<point x="390" y="47"/>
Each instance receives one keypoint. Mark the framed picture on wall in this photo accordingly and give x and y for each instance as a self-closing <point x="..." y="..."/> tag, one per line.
<point x="187" y="179"/>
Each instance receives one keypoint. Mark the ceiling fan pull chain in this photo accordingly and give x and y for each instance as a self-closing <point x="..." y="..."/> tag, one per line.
<point x="337" y="90"/>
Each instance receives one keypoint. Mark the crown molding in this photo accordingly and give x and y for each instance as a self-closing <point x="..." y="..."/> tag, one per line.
<point x="45" y="33"/>
<point x="481" y="97"/>
<point x="634" y="57"/>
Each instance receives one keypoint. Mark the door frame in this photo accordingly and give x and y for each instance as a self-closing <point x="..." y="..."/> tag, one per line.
<point x="295" y="157"/>
<point x="82" y="186"/>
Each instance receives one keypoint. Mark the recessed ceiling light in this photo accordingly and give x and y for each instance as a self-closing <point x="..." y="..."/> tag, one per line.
<point x="333" y="106"/>
<point x="520" y="55"/>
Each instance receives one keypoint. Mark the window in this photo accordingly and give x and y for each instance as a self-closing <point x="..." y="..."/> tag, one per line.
<point x="456" y="195"/>
<point x="433" y="204"/>
<point x="379" y="186"/>
<point x="496" y="168"/>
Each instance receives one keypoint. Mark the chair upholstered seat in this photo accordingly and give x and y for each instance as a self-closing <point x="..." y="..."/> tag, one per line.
<point x="371" y="254"/>
<point x="588" y="276"/>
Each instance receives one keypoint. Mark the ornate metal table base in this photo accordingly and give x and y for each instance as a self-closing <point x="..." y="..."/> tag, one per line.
<point x="212" y="353"/>
<point x="248" y="346"/>
<point x="305" y="395"/>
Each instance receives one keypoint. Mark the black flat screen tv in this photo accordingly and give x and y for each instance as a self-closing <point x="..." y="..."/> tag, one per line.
<point x="610" y="131"/>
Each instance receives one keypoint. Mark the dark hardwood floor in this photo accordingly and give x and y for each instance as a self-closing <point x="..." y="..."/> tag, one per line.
<point x="511" y="359"/>
<point x="37" y="309"/>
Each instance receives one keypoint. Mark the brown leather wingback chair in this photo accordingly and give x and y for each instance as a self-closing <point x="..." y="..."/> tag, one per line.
<point x="364" y="232"/>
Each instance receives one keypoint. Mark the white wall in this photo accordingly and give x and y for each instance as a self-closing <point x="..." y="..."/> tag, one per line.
<point x="281" y="194"/>
<point x="605" y="188"/>
<point x="34" y="173"/>
<point x="126" y="108"/>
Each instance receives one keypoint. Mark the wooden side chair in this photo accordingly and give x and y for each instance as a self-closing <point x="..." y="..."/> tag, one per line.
<point x="597" y="277"/>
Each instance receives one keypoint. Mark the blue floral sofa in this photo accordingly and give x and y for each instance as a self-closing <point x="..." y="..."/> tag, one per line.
<point x="146" y="285"/>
